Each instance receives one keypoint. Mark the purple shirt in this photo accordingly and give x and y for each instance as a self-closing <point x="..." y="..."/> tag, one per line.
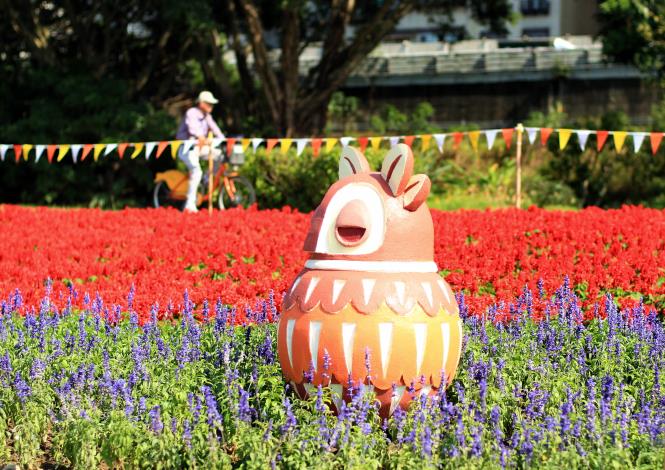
<point x="195" y="124"/>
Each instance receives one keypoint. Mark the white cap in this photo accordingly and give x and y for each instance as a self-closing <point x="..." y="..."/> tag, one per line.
<point x="207" y="97"/>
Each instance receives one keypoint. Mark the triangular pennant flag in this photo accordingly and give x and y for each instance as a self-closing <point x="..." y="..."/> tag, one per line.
<point x="98" y="151"/>
<point x="362" y="143"/>
<point x="50" y="151"/>
<point x="26" y="150"/>
<point x="330" y="143"/>
<point x="244" y="143"/>
<point x="187" y="146"/>
<point x="564" y="135"/>
<point x="507" y="135"/>
<point x="18" y="149"/>
<point x="619" y="139"/>
<point x="408" y="139"/>
<point x="39" y="150"/>
<point x="300" y="145"/>
<point x="439" y="139"/>
<point x="270" y="144"/>
<point x="531" y="134"/>
<point x="138" y="146"/>
<point x="161" y="147"/>
<point x="86" y="150"/>
<point x="230" y="143"/>
<point x="216" y="142"/>
<point x="285" y="145"/>
<point x="394" y="140"/>
<point x="149" y="147"/>
<point x="545" y="133"/>
<point x="582" y="137"/>
<point x="110" y="148"/>
<point x="345" y="140"/>
<point x="175" y="145"/>
<point x="425" y="140"/>
<point x="256" y="142"/>
<point x="62" y="151"/>
<point x="121" y="149"/>
<point x="601" y="137"/>
<point x="376" y="142"/>
<point x="3" y="151"/>
<point x="473" y="138"/>
<point x="316" y="146"/>
<point x="638" y="138"/>
<point x="457" y="139"/>
<point x="76" y="149"/>
<point x="490" y="135"/>
<point x="655" y="138"/>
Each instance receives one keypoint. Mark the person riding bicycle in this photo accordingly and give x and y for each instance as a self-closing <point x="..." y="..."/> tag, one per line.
<point x="197" y="123"/>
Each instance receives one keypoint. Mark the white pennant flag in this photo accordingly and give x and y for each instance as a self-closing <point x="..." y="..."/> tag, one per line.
<point x="439" y="138"/>
<point x="394" y="140"/>
<point x="3" y="151"/>
<point x="300" y="145"/>
<point x="187" y="145"/>
<point x="149" y="147"/>
<point x="76" y="149"/>
<point x="638" y="138"/>
<point x="582" y="136"/>
<point x="491" y="136"/>
<point x="531" y="134"/>
<point x="110" y="148"/>
<point x="217" y="141"/>
<point x="256" y="142"/>
<point x="39" y="149"/>
<point x="345" y="140"/>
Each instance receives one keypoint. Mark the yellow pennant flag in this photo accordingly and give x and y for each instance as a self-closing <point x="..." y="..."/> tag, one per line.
<point x="619" y="139"/>
<point x="376" y="142"/>
<point x="424" y="141"/>
<point x="175" y="145"/>
<point x="137" y="149"/>
<point x="473" y="138"/>
<point x="244" y="143"/>
<point x="284" y="145"/>
<point x="26" y="149"/>
<point x="564" y="135"/>
<point x="97" y="150"/>
<point x="62" y="151"/>
<point x="330" y="143"/>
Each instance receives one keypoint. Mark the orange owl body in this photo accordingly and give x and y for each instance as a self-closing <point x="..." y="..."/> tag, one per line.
<point x="370" y="306"/>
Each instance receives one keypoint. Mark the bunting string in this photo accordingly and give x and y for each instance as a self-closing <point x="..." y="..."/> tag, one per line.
<point x="156" y="149"/>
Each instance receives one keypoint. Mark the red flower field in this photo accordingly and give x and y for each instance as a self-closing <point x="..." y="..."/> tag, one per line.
<point x="239" y="256"/>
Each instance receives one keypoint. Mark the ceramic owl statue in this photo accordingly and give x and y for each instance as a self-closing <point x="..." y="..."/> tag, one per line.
<point x="369" y="307"/>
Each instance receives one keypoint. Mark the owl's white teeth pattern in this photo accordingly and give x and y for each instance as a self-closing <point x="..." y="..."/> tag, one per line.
<point x="314" y="336"/>
<point x="310" y="288"/>
<point x="444" y="289"/>
<point x="385" y="343"/>
<point x="368" y="288"/>
<point x="290" y="324"/>
<point x="348" y="333"/>
<point x="338" y="285"/>
<point x="428" y="292"/>
<point x="420" y="332"/>
<point x="295" y="284"/>
<point x="400" y="287"/>
<point x="425" y="390"/>
<point x="445" y="343"/>
<point x="396" y="398"/>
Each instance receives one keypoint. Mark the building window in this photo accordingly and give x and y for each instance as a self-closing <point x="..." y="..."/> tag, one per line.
<point x="535" y="7"/>
<point x="536" y="32"/>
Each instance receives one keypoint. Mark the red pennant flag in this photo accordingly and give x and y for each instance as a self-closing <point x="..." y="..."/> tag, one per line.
<point x="408" y="139"/>
<point x="316" y="146"/>
<point x="161" y="147"/>
<point x="601" y="137"/>
<point x="656" y="137"/>
<point x="363" y="141"/>
<point x="121" y="149"/>
<point x="457" y="139"/>
<point x="230" y="142"/>
<point x="508" y="136"/>
<point x="270" y="143"/>
<point x="50" y="151"/>
<point x="545" y="133"/>
<point x="18" y="149"/>
<point x="86" y="150"/>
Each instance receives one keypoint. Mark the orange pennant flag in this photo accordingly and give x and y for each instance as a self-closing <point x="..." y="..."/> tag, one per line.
<point x="564" y="136"/>
<point x="26" y="150"/>
<point x="230" y="142"/>
<point x="175" y="145"/>
<point x="473" y="138"/>
<point x="545" y="133"/>
<point x="18" y="149"/>
<point x="86" y="150"/>
<point x="601" y="137"/>
<point x="316" y="146"/>
<point x="408" y="139"/>
<point x="245" y="144"/>
<point x="50" y="151"/>
<point x="619" y="139"/>
<point x="138" y="146"/>
<point x="457" y="139"/>
<point x="363" y="141"/>
<point x="97" y="151"/>
<point x="507" y="135"/>
<point x="330" y="143"/>
<point x="63" y="151"/>
<point x="121" y="149"/>
<point x="161" y="147"/>
<point x="270" y="144"/>
<point x="425" y="140"/>
<point x="655" y="138"/>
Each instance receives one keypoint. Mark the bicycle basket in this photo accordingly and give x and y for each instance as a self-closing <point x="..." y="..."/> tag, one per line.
<point x="237" y="156"/>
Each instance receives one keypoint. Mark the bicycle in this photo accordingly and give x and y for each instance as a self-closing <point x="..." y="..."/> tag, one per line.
<point x="230" y="188"/>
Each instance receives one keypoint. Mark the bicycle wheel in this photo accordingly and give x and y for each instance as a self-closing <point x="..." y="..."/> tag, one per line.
<point x="161" y="197"/>
<point x="243" y="194"/>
